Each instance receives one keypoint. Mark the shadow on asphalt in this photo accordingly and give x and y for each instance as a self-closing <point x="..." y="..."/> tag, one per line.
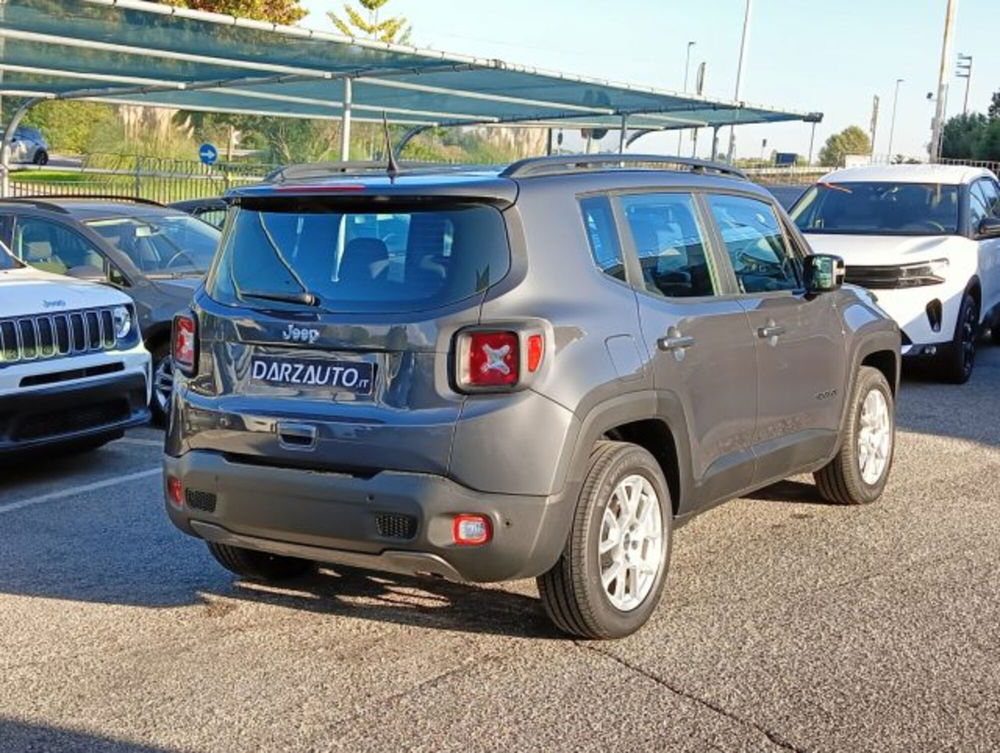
<point x="22" y="736"/>
<point x="415" y="602"/>
<point x="795" y="492"/>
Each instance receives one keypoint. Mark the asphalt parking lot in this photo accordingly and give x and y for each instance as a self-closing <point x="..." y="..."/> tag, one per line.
<point x="788" y="625"/>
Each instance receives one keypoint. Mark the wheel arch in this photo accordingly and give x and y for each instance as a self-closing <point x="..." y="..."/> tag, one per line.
<point x="652" y="420"/>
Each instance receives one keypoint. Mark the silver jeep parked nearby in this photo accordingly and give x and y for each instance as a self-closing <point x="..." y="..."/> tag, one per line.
<point x="537" y="371"/>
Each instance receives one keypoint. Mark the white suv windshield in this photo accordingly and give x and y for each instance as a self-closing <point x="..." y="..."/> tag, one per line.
<point x="879" y="209"/>
<point x="165" y="246"/>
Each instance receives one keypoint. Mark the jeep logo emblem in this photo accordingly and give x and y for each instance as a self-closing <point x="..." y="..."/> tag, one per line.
<point x="300" y="334"/>
<point x="58" y="303"/>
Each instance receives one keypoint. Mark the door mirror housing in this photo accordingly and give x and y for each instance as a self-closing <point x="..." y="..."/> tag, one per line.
<point x="989" y="228"/>
<point x="823" y="273"/>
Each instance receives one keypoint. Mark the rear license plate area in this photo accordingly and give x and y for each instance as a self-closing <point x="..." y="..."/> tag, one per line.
<point x="356" y="377"/>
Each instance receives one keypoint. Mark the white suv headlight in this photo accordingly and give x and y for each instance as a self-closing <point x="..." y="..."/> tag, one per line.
<point x="123" y="321"/>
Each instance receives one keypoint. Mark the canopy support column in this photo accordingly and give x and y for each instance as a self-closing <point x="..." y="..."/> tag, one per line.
<point x="622" y="143"/>
<point x="8" y="137"/>
<point x="715" y="142"/>
<point x="345" y="123"/>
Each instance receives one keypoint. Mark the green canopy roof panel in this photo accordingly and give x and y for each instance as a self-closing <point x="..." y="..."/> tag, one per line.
<point x="158" y="55"/>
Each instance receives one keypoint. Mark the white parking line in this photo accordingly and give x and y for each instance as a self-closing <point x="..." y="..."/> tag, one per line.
<point x="80" y="490"/>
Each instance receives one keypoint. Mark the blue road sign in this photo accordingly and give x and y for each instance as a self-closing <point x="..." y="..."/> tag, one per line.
<point x="208" y="154"/>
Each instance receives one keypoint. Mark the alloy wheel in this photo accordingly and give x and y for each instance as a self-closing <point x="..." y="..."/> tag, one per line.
<point x="163" y="383"/>
<point x="630" y="546"/>
<point x="874" y="437"/>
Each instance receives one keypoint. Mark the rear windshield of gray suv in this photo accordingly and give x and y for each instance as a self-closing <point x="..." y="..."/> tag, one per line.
<point x="288" y="252"/>
<point x="879" y="209"/>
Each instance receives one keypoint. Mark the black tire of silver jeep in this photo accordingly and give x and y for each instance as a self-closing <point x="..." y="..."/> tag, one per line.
<point x="571" y="590"/>
<point x="840" y="481"/>
<point x="255" y="565"/>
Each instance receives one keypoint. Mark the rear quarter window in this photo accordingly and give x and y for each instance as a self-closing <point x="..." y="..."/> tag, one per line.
<point x="367" y="259"/>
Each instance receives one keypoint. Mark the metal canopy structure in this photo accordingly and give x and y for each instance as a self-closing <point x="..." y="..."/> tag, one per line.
<point x="138" y="52"/>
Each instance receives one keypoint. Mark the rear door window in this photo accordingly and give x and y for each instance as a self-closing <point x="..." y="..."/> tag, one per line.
<point x="670" y="244"/>
<point x="389" y="260"/>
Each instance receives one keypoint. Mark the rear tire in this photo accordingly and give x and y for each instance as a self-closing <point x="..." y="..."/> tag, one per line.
<point x="848" y="479"/>
<point x="959" y="356"/>
<point x="41" y="157"/>
<point x="249" y="563"/>
<point x="581" y="593"/>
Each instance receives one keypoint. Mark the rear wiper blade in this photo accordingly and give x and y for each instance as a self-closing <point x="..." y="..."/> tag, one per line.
<point x="305" y="298"/>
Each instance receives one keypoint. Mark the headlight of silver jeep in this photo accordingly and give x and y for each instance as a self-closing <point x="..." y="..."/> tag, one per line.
<point x="123" y="321"/>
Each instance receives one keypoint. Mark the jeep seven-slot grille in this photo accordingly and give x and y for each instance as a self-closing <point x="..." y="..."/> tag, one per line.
<point x="53" y="335"/>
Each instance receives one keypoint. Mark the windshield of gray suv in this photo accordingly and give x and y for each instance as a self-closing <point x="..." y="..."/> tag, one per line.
<point x="879" y="209"/>
<point x="304" y="252"/>
<point x="168" y="246"/>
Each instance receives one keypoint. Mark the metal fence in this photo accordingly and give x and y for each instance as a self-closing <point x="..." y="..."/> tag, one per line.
<point x="135" y="176"/>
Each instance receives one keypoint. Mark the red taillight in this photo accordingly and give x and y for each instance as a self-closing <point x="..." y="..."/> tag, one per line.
<point x="185" y="339"/>
<point x="536" y="348"/>
<point x="471" y="530"/>
<point x="175" y="491"/>
<point x="490" y="359"/>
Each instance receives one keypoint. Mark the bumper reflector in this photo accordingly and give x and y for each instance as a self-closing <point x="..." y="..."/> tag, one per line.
<point x="471" y="530"/>
<point x="175" y="491"/>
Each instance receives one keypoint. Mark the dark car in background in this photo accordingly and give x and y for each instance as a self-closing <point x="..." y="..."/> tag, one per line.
<point x="212" y="211"/>
<point x="155" y="254"/>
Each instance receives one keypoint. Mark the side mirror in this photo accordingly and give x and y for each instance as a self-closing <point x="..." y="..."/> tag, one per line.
<point x="823" y="273"/>
<point x="989" y="228"/>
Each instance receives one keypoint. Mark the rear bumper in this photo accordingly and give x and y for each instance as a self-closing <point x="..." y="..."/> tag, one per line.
<point x="392" y="521"/>
<point x="70" y="412"/>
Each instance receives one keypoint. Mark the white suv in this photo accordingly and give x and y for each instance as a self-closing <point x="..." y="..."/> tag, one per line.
<point x="73" y="369"/>
<point x="926" y="239"/>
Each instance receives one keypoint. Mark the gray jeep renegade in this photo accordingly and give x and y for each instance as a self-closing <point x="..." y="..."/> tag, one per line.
<point x="539" y="371"/>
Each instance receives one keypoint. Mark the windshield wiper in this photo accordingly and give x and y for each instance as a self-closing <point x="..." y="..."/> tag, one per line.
<point x="304" y="298"/>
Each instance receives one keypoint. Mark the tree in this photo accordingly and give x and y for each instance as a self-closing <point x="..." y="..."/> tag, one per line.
<point x="364" y="22"/>
<point x="994" y="110"/>
<point x="987" y="146"/>
<point x="852" y="140"/>
<point x="275" y="11"/>
<point x="961" y="135"/>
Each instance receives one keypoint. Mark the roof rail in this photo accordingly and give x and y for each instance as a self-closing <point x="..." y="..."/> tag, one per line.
<point x="354" y="167"/>
<point x="570" y="163"/>
<point x="45" y="200"/>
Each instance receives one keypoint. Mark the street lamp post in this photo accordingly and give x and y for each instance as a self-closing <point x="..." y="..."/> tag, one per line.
<point x="965" y="71"/>
<point x="687" y="69"/>
<point x="942" y="93"/>
<point x="739" y="78"/>
<point x="892" y="121"/>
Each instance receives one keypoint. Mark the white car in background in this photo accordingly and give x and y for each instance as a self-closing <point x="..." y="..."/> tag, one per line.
<point x="29" y="145"/>
<point x="926" y="240"/>
<point x="73" y="369"/>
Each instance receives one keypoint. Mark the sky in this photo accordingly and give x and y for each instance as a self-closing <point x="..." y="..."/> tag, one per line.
<point x="830" y="56"/>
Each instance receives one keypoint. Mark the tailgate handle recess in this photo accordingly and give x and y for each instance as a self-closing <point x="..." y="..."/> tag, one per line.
<point x="296" y="436"/>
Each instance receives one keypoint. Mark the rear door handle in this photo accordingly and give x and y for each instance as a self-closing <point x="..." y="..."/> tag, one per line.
<point x="679" y="342"/>
<point x="296" y="436"/>
<point x="771" y="330"/>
